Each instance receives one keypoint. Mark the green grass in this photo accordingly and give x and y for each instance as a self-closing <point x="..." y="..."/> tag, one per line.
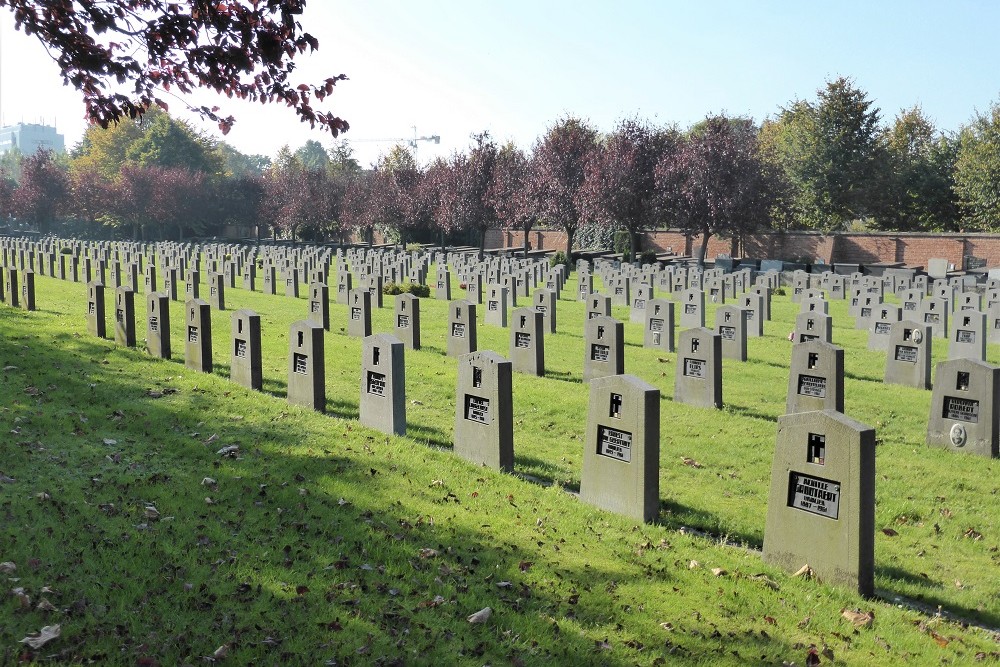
<point x="312" y="544"/>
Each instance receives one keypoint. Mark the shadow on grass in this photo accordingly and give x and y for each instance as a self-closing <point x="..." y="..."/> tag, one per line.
<point x="677" y="515"/>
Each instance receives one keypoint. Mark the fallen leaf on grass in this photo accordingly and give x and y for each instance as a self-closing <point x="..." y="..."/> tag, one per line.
<point x="232" y="451"/>
<point x="804" y="571"/>
<point x="8" y="567"/>
<point x="23" y="599"/>
<point x="693" y="565"/>
<point x="973" y="534"/>
<point x="480" y="616"/>
<point x="45" y="605"/>
<point x="151" y="513"/>
<point x="208" y="481"/>
<point x="110" y="442"/>
<point x="45" y="635"/>
<point x="690" y="462"/>
<point x="428" y="553"/>
<point x="10" y="368"/>
<point x="941" y="641"/>
<point x="859" y="619"/>
<point x="32" y="391"/>
<point x="889" y="532"/>
<point x="719" y="572"/>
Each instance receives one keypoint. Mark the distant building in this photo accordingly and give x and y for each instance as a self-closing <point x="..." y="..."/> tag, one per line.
<point x="30" y="138"/>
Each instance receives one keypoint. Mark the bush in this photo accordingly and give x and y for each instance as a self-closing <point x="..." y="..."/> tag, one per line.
<point x="406" y="288"/>
<point x="560" y="258"/>
<point x="647" y="257"/>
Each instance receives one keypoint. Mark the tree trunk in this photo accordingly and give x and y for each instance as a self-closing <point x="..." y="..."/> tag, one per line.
<point x="482" y="243"/>
<point x="569" y="244"/>
<point x="704" y="248"/>
<point x="633" y="245"/>
<point x="734" y="246"/>
<point x="442" y="240"/>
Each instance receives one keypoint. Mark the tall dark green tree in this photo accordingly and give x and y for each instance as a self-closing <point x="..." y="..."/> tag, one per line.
<point x="977" y="171"/>
<point x="832" y="153"/>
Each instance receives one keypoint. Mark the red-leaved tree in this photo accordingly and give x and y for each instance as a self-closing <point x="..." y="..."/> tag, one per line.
<point x="42" y="192"/>
<point x="511" y="194"/>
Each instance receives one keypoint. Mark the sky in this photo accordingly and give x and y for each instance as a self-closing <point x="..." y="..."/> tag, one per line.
<point x="453" y="68"/>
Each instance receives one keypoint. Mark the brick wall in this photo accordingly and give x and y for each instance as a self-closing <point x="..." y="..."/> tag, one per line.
<point x="910" y="249"/>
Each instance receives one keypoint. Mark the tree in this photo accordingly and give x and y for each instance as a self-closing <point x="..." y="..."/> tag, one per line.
<point x="395" y="204"/>
<point x="91" y="195"/>
<point x="977" y="170"/>
<point x="297" y="199"/>
<point x="832" y="154"/>
<point x="170" y="143"/>
<point x="510" y="192"/>
<point x="313" y="156"/>
<point x="919" y="187"/>
<point x="559" y="167"/>
<point x="717" y="182"/>
<point x="235" y="163"/>
<point x="7" y="187"/>
<point x="620" y="183"/>
<point x="42" y="191"/>
<point x="123" y="55"/>
<point x="357" y="211"/>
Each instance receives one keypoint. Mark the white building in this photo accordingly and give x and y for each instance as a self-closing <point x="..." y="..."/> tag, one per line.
<point x="30" y="137"/>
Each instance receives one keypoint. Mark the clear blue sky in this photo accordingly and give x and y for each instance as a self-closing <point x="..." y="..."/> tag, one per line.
<point x="454" y="67"/>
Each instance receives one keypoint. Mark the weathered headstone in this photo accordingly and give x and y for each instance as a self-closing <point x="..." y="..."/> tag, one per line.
<point x="461" y="328"/>
<point x="659" y="327"/>
<point x="319" y="304"/>
<point x="125" y="316"/>
<point x="880" y="325"/>
<point x="158" y="325"/>
<point x="407" y="326"/>
<point x="642" y="295"/>
<point x="12" y="287"/>
<point x="307" y="365"/>
<point x="908" y="361"/>
<point x="192" y="285"/>
<point x="621" y="457"/>
<point x="484" y="411"/>
<point x="821" y="507"/>
<point x="968" y="336"/>
<point x="383" y="389"/>
<point x="545" y="301"/>
<point x="731" y="325"/>
<point x="442" y="286"/>
<point x="217" y="291"/>
<point x="816" y="378"/>
<point x="198" y="335"/>
<point x="527" y="341"/>
<point x="934" y="311"/>
<point x="963" y="407"/>
<point x="698" y="379"/>
<point x="692" y="304"/>
<point x="604" y="347"/>
<point x="96" y="323"/>
<point x="598" y="305"/>
<point x="245" y="366"/>
<point x="497" y="300"/>
<point x="359" y="313"/>
<point x="28" y="290"/>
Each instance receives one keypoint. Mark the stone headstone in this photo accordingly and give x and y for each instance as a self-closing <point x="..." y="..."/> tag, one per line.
<point x="937" y="268"/>
<point x="598" y="305"/>
<point x="692" y="305"/>
<point x="12" y="287"/>
<point x="816" y="378"/>
<point x="345" y="283"/>
<point x="383" y="384"/>
<point x="442" y="286"/>
<point x="731" y="325"/>
<point x="621" y="457"/>
<point x="245" y="366"/>
<point x="407" y="320"/>
<point x="527" y="341"/>
<point x="359" y="313"/>
<point x="198" y="335"/>
<point x="307" y="365"/>
<point x="604" y="347"/>
<point x="484" y="411"/>
<point x="270" y="280"/>
<point x="968" y="336"/>
<point x="934" y="311"/>
<point x="908" y="359"/>
<point x="698" y="379"/>
<point x="192" y="285"/>
<point x="461" y="328"/>
<point x="658" y="332"/>
<point x="28" y="290"/>
<point x="158" y="325"/>
<point x="963" y="407"/>
<point x="544" y="301"/>
<point x="125" y="316"/>
<point x="319" y="304"/>
<point x="497" y="305"/>
<point x="880" y="325"/>
<point x="96" y="321"/>
<point x="217" y="291"/>
<point x="641" y="296"/>
<point x="821" y="507"/>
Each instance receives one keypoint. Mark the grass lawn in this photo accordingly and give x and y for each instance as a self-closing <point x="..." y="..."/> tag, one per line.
<point x="322" y="542"/>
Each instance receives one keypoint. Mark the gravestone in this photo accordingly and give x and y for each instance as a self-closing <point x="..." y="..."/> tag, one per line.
<point x="345" y="283"/>
<point x="319" y="304"/>
<point x="816" y="378"/>
<point x="307" y="365"/>
<point x="585" y="286"/>
<point x="963" y="407"/>
<point x="993" y="323"/>
<point x="908" y="361"/>
<point x="96" y="322"/>
<point x="698" y="379"/>
<point x="752" y="304"/>
<point x="880" y="325"/>
<point x="270" y="280"/>
<point x="442" y="288"/>
<point x="407" y="327"/>
<point x="461" y="328"/>
<point x="148" y="278"/>
<point x="497" y="300"/>
<point x="621" y="457"/>
<point x="170" y="283"/>
<point x="692" y="304"/>
<point x="474" y="288"/>
<point x="359" y="313"/>
<point x="821" y="506"/>
<point x="125" y="316"/>
<point x="11" y="287"/>
<point x="484" y="411"/>
<point x="527" y="341"/>
<point x="659" y="327"/>
<point x="245" y="366"/>
<point x="217" y="291"/>
<point x="642" y="296"/>
<point x="250" y="276"/>
<point x="604" y="347"/>
<point x="866" y="309"/>
<point x="968" y="336"/>
<point x="731" y="325"/>
<point x="598" y="305"/>
<point x="969" y="301"/>
<point x="28" y="290"/>
<point x="198" y="335"/>
<point x="158" y="325"/>
<point x="545" y="301"/>
<point x="291" y="278"/>
<point x="383" y="385"/>
<point x="934" y="311"/>
<point x="192" y="285"/>
<point x="373" y="284"/>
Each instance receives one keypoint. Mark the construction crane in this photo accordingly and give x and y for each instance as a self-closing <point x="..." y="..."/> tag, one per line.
<point x="411" y="142"/>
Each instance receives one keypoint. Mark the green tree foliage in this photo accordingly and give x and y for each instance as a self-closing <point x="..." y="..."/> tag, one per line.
<point x="832" y="153"/>
<point x="977" y="171"/>
<point x="313" y="156"/>
<point x="237" y="164"/>
<point x="918" y="186"/>
<point x="170" y="143"/>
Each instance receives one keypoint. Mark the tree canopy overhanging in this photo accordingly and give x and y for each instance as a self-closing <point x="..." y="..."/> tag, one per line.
<point x="125" y="56"/>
